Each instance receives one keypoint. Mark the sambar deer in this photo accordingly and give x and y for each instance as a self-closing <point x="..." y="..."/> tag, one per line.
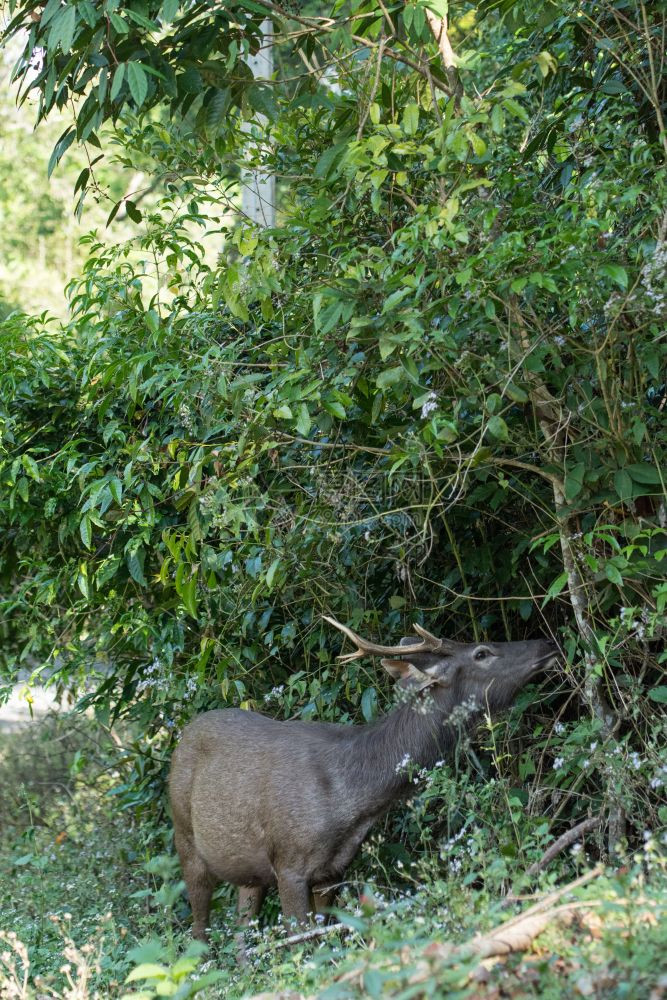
<point x="259" y="802"/>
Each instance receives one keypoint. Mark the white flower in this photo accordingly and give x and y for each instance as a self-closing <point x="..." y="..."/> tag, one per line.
<point x="429" y="405"/>
<point x="559" y="728"/>
<point x="558" y="763"/>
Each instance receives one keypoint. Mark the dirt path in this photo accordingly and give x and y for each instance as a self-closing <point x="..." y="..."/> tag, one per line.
<point x="16" y="712"/>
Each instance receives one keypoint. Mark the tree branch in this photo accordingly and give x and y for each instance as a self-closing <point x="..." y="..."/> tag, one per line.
<point x="438" y="26"/>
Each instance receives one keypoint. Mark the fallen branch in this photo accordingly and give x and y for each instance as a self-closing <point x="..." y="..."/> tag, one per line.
<point x="314" y="932"/>
<point x="514" y="935"/>
<point x="569" y="837"/>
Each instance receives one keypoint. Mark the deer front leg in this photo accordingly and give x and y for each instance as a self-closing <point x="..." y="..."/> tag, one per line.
<point x="250" y="903"/>
<point x="294" y="896"/>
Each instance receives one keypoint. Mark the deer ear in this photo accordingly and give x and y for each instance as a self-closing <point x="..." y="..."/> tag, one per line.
<point x="407" y="674"/>
<point x="397" y="669"/>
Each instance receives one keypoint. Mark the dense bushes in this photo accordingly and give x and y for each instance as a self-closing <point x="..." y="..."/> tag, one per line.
<point x="433" y="392"/>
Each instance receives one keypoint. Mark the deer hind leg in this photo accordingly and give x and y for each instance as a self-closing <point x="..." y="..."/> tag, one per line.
<point x="249" y="905"/>
<point x="199" y="883"/>
<point x="321" y="900"/>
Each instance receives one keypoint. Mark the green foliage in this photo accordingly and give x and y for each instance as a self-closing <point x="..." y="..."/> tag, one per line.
<point x="439" y="373"/>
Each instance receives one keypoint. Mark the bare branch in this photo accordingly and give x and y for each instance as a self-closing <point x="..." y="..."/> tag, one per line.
<point x="569" y="837"/>
<point x="438" y="26"/>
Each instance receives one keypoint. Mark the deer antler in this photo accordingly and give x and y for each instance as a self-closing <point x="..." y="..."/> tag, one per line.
<point x="429" y="644"/>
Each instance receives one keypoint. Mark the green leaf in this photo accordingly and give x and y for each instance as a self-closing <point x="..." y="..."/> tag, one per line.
<point x="390" y="377"/>
<point x="189" y="595"/>
<point x="555" y="588"/>
<point x="60" y="148"/>
<point x="335" y="408"/>
<point x="82" y="179"/>
<point x="66" y="27"/>
<point x="516" y="109"/>
<point x="574" y="480"/>
<point x="613" y="575"/>
<point x="85" y="530"/>
<point x="23" y="489"/>
<point x="498" y="428"/>
<point x="617" y="274"/>
<point x="149" y="970"/>
<point x="328" y="160"/>
<point x="217" y="109"/>
<point x="132" y="211"/>
<point x="50" y="11"/>
<point x="516" y="393"/>
<point x="283" y="413"/>
<point x="410" y="119"/>
<point x="303" y="421"/>
<point x="31" y="467"/>
<point x="439" y="7"/>
<point x="497" y="119"/>
<point x="623" y="484"/>
<point x="121" y="26"/>
<point x="82" y="581"/>
<point x="447" y="430"/>
<point x="137" y="82"/>
<point x="135" y="564"/>
<point x="168" y="11"/>
<point x="644" y="473"/>
<point x="658" y="694"/>
<point x="117" y="82"/>
<point x="271" y="572"/>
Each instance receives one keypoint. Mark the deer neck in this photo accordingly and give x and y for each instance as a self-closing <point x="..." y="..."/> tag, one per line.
<point x="385" y="757"/>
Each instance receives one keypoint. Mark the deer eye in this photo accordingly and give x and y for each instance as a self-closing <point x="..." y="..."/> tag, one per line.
<point x="482" y="654"/>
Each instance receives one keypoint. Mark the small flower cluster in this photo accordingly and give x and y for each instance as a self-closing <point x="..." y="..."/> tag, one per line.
<point x="653" y="278"/>
<point x="187" y="418"/>
<point x="461" y="713"/>
<point x="154" y="678"/>
<point x="208" y="500"/>
<point x="635" y="624"/>
<point x="429" y="405"/>
<point x="659" y="779"/>
<point x="275" y="692"/>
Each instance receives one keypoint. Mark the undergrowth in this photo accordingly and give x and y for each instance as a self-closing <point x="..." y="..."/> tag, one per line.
<point x="91" y="901"/>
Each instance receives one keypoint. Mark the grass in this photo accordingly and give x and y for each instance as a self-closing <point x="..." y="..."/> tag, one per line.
<point x="93" y="896"/>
